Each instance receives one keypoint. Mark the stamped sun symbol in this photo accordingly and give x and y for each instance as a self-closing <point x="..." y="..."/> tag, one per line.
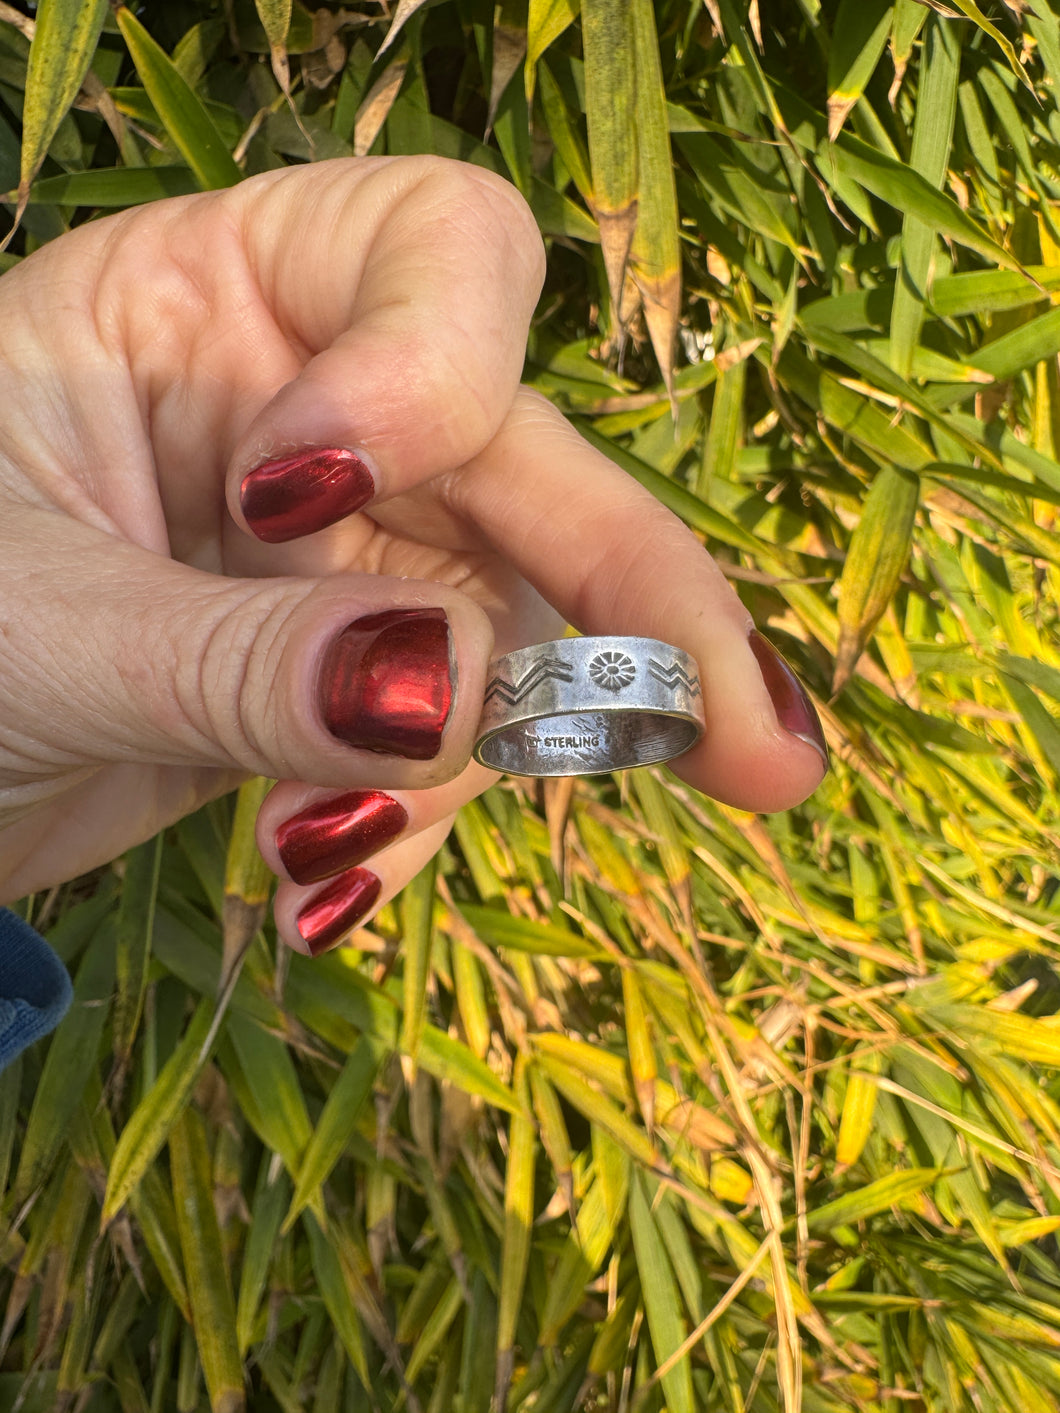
<point x="612" y="670"/>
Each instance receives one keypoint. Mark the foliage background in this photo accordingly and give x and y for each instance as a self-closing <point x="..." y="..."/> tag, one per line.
<point x="633" y="1101"/>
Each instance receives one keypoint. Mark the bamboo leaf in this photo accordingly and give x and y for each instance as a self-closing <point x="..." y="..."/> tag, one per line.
<point x="524" y="935"/>
<point x="859" y="1107"/>
<point x="248" y="881"/>
<point x="186" y="121"/>
<point x="932" y="134"/>
<point x="153" y="1118"/>
<point x="212" y="1307"/>
<point x="547" y="19"/>
<point x="402" y="14"/>
<point x="116" y="187"/>
<point x="661" y="1300"/>
<point x="337" y="1121"/>
<point x="610" y="111"/>
<point x="894" y="1190"/>
<point x="338" y="1299"/>
<point x="64" y="41"/>
<point x="515" y="1245"/>
<point x="654" y="254"/>
<point x="135" y="927"/>
<point x="909" y="18"/>
<point x="417" y="916"/>
<point x="266" y="1213"/>
<point x="272" y="1080"/>
<point x="859" y="34"/>
<point x="66" y="1067"/>
<point x="907" y="191"/>
<point x="275" y="16"/>
<point x="879" y="549"/>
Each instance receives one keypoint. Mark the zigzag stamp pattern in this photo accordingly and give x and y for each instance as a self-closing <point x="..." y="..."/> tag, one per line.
<point x="672" y="675"/>
<point x="513" y="692"/>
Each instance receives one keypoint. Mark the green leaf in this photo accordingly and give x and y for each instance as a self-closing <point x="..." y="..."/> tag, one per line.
<point x="338" y="1299"/>
<point x="417" y="917"/>
<point x="153" y="1118"/>
<point x="70" y="1064"/>
<point x="516" y="1241"/>
<point x="878" y="553"/>
<point x="546" y="939"/>
<point x="894" y="1190"/>
<point x="114" y="187"/>
<point x="655" y="253"/>
<point x="212" y="1307"/>
<point x="272" y="1081"/>
<point x="63" y="43"/>
<point x="610" y="112"/>
<point x="186" y="121"/>
<point x="271" y="1194"/>
<point x="337" y="1122"/>
<point x="859" y="34"/>
<point x="135" y="926"/>
<point x="908" y="192"/>
<point x="662" y="1303"/>
<point x="932" y="135"/>
<point x="546" y="21"/>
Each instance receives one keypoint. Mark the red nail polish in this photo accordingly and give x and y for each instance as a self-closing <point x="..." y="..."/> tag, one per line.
<point x="386" y="682"/>
<point x="335" y="834"/>
<point x="795" y="712"/>
<point x="337" y="909"/>
<point x="295" y="495"/>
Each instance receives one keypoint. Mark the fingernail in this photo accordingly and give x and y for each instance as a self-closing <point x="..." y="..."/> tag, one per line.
<point x="338" y="833"/>
<point x="795" y="712"/>
<point x="298" y="494"/>
<point x="386" y="683"/>
<point x="337" y="909"/>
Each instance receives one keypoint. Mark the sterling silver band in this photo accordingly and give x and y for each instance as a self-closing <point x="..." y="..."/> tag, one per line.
<point x="584" y="706"/>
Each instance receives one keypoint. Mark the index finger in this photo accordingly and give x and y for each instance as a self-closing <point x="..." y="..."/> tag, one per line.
<point x="613" y="560"/>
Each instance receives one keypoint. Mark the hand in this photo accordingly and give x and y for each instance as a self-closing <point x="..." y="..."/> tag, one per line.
<point x="199" y="581"/>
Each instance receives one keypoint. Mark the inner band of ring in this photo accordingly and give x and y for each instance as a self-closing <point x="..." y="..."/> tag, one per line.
<point x="586" y="743"/>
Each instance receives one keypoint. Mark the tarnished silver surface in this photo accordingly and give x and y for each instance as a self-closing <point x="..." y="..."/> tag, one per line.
<point x="584" y="706"/>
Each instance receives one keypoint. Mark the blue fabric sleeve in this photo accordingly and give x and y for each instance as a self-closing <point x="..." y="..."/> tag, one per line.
<point x="35" y="990"/>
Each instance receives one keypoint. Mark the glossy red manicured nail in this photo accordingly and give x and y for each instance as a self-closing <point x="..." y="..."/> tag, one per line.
<point x="386" y="682"/>
<point x="335" y="834"/>
<point x="295" y="495"/>
<point x="337" y="909"/>
<point x="795" y="712"/>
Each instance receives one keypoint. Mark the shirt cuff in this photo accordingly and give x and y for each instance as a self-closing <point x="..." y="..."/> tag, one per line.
<point x="35" y="990"/>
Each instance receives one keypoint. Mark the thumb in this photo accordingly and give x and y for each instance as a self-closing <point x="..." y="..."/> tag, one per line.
<point x="109" y="653"/>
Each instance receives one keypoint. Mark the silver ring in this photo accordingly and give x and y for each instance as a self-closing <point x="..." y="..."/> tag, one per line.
<point x="584" y="706"/>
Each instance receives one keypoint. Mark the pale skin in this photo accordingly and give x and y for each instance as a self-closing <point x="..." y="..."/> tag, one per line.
<point x="153" y="652"/>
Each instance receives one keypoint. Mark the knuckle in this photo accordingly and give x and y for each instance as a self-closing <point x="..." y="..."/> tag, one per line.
<point x="232" y="692"/>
